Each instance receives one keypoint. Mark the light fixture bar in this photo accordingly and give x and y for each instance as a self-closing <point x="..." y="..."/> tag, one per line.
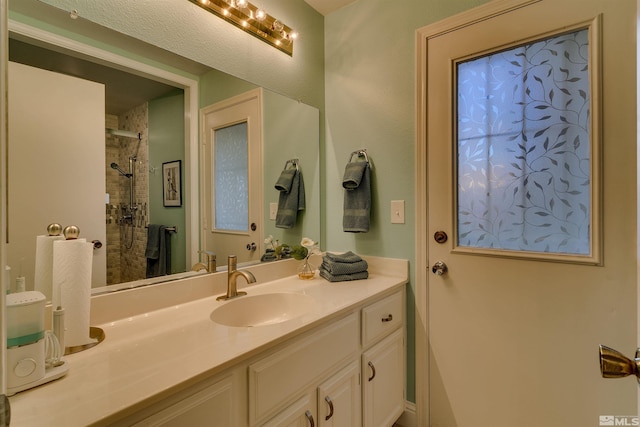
<point x="248" y="18"/>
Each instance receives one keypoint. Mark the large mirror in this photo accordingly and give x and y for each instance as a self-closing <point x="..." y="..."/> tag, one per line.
<point x="143" y="129"/>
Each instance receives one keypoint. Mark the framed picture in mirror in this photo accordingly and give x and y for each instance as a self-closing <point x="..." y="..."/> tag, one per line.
<point x="171" y="184"/>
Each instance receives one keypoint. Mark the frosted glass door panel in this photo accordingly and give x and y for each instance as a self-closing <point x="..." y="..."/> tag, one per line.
<point x="524" y="150"/>
<point x="231" y="179"/>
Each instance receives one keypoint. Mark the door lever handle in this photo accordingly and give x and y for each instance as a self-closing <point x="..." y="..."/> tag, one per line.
<point x="614" y="364"/>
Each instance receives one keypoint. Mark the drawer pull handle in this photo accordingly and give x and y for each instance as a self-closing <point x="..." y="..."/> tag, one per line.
<point x="328" y="400"/>
<point x="310" y="418"/>
<point x="389" y="318"/>
<point x="373" y="371"/>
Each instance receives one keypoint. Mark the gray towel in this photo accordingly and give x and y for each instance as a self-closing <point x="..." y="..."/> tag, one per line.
<point x="337" y="268"/>
<point x="345" y="263"/>
<point x="357" y="197"/>
<point x="344" y="257"/>
<point x="158" y="251"/>
<point x="342" y="277"/>
<point x="292" y="197"/>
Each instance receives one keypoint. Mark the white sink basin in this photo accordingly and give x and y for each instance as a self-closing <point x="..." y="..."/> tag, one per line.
<point x="262" y="309"/>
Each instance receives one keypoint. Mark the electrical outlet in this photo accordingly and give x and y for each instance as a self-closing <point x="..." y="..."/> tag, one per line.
<point x="397" y="212"/>
<point x="273" y="210"/>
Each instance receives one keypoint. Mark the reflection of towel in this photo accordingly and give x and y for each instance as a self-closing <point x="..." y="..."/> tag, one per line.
<point x="292" y="197"/>
<point x="357" y="197"/>
<point x="158" y="251"/>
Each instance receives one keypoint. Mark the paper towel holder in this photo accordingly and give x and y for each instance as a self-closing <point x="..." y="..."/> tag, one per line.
<point x="94" y="333"/>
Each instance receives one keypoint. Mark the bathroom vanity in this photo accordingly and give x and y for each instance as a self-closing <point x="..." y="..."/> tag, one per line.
<point x="332" y="354"/>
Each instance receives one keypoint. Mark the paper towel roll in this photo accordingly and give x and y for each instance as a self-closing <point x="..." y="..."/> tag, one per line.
<point x="43" y="280"/>
<point x="72" y="261"/>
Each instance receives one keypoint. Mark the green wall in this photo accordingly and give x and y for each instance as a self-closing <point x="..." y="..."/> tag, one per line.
<point x="370" y="103"/>
<point x="166" y="144"/>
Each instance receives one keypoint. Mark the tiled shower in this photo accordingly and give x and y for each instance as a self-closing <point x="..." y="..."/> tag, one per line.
<point x="126" y="251"/>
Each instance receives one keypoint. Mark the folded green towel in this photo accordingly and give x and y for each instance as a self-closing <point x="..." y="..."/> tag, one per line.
<point x="345" y="267"/>
<point x="342" y="277"/>
<point x="344" y="257"/>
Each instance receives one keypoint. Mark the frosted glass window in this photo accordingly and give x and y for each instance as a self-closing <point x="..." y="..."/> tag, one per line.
<point x="231" y="180"/>
<point x="524" y="148"/>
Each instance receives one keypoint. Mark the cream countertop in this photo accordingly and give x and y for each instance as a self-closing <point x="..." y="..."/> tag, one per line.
<point x="153" y="353"/>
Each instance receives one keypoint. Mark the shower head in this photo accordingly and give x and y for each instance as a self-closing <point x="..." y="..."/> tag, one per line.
<point x="119" y="169"/>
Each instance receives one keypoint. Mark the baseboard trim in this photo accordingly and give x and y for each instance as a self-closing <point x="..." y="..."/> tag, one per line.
<point x="408" y="417"/>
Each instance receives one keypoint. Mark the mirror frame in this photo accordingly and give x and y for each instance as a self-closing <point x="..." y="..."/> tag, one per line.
<point x="191" y="108"/>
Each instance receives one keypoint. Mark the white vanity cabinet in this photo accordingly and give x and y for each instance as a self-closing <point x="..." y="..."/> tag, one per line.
<point x="218" y="402"/>
<point x="383" y="381"/>
<point x="383" y="361"/>
<point x="281" y="381"/>
<point x="328" y="379"/>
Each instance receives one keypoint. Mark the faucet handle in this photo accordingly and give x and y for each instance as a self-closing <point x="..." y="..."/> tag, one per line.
<point x="232" y="263"/>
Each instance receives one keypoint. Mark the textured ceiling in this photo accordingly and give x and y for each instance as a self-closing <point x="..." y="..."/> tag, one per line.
<point x="325" y="7"/>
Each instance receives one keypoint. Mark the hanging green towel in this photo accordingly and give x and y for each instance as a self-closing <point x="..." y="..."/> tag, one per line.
<point x="292" y="197"/>
<point x="357" y="197"/>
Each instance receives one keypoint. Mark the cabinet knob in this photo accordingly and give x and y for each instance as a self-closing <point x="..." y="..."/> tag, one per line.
<point x="328" y="400"/>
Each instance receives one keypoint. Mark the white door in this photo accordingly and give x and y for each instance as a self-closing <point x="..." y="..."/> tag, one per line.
<point x="56" y="128"/>
<point x="529" y="293"/>
<point x="232" y="179"/>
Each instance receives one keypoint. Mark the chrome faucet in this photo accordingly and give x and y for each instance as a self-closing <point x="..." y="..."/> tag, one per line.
<point x="211" y="263"/>
<point x="232" y="276"/>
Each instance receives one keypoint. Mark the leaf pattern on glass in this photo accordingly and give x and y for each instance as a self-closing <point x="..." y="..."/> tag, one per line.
<point x="523" y="148"/>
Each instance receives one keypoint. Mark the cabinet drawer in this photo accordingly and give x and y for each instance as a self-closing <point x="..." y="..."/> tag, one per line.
<point x="381" y="318"/>
<point x="277" y="378"/>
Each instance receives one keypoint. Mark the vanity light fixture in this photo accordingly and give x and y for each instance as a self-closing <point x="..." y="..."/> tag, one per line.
<point x="254" y="20"/>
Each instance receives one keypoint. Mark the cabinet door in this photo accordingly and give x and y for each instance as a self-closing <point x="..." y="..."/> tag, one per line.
<point x="339" y="398"/>
<point x="383" y="381"/>
<point x="211" y="407"/>
<point x="298" y="414"/>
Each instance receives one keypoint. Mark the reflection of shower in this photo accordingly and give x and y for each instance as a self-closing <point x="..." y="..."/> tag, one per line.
<point x="127" y="219"/>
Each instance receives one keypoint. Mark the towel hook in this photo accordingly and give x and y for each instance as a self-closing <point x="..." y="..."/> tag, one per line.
<point x="359" y="153"/>
<point x="293" y="162"/>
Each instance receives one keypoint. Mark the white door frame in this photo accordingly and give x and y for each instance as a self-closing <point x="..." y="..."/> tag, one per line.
<point x="4" y="63"/>
<point x="190" y="87"/>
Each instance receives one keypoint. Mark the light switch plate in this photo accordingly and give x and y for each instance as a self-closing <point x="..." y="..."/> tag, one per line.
<point x="273" y="210"/>
<point x="397" y="212"/>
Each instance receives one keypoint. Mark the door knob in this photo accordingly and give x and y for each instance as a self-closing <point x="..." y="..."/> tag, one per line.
<point x="439" y="268"/>
<point x="251" y="246"/>
<point x="614" y="364"/>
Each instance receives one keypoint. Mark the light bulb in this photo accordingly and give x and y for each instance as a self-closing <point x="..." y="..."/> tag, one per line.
<point x="277" y="26"/>
<point x="260" y="14"/>
<point x="241" y="4"/>
<point x="293" y="35"/>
